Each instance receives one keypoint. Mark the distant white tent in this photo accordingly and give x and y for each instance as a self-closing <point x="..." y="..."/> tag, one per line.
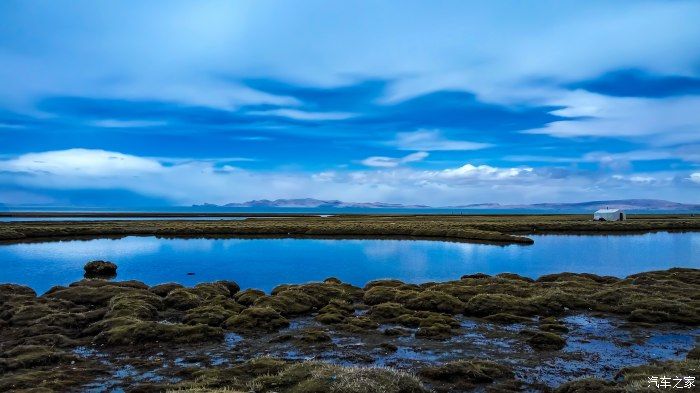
<point x="609" y="215"/>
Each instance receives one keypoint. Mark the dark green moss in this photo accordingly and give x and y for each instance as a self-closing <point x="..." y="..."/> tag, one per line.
<point x="257" y="319"/>
<point x="544" y="341"/>
<point x="100" y="269"/>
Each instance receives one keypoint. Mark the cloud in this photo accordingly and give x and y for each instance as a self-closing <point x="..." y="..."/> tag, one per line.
<point x="302" y="115"/>
<point x="695" y="177"/>
<point x="389" y="162"/>
<point x="482" y="172"/>
<point x="433" y="141"/>
<point x="111" y="123"/>
<point x="77" y="171"/>
<point x="660" y="122"/>
<point x="81" y="162"/>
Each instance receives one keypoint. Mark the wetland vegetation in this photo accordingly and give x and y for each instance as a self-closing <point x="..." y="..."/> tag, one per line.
<point x="564" y="332"/>
<point x="501" y="333"/>
<point x="485" y="228"/>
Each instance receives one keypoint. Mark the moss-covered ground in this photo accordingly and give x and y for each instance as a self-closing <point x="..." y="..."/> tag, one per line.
<point x="476" y="332"/>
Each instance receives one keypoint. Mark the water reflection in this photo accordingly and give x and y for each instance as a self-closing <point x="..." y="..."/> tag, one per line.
<point x="265" y="263"/>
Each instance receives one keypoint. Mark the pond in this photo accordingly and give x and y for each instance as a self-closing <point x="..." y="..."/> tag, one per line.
<point x="266" y="263"/>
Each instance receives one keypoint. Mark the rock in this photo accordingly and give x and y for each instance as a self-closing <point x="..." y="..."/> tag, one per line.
<point x="100" y="269"/>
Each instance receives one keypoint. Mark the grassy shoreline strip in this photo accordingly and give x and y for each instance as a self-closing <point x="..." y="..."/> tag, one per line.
<point x="497" y="229"/>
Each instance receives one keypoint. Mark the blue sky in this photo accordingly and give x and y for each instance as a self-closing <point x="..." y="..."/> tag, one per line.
<point x="130" y="103"/>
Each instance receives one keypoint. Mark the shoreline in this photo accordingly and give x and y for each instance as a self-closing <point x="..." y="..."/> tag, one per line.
<point x="509" y="330"/>
<point x="505" y="229"/>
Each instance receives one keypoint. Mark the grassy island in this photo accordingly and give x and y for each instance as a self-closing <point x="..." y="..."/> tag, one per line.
<point x="480" y="228"/>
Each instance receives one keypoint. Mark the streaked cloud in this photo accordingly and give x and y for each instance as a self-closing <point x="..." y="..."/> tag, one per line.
<point x="389" y="162"/>
<point x="433" y="141"/>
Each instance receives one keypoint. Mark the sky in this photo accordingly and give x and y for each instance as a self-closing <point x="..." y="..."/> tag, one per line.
<point x="165" y="103"/>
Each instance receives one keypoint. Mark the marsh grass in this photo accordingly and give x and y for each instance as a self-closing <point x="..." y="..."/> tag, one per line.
<point x="498" y="229"/>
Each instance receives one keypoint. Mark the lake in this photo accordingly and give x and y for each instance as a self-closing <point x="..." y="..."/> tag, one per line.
<point x="266" y="263"/>
<point x="80" y="218"/>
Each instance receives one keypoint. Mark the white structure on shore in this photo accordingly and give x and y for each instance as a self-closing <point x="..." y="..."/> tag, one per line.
<point x="609" y="215"/>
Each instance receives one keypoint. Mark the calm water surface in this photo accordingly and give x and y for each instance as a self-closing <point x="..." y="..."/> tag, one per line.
<point x="265" y="263"/>
<point x="78" y="218"/>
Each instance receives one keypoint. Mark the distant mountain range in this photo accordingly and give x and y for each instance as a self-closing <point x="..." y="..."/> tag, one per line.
<point x="316" y="203"/>
<point x="626" y="204"/>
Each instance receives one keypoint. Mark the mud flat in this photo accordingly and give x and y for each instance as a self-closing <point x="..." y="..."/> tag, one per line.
<point x="562" y="332"/>
<point x="484" y="228"/>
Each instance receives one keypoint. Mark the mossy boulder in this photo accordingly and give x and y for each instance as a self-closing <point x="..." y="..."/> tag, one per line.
<point x="100" y="269"/>
<point x="335" y="312"/>
<point x="257" y="319"/>
<point x="289" y="302"/>
<point x="27" y="356"/>
<point x="513" y="276"/>
<point x="248" y="296"/>
<point x="129" y="331"/>
<point x="305" y="336"/>
<point x="435" y="331"/>
<point x="89" y="293"/>
<point x="163" y="290"/>
<point x="489" y="304"/>
<point x="322" y="377"/>
<point x="433" y="301"/>
<point x="475" y="276"/>
<point x="212" y="315"/>
<point x="14" y="292"/>
<point x="27" y="314"/>
<point x="330" y="318"/>
<point x="544" y="341"/>
<point x="182" y="299"/>
<point x="463" y="375"/>
<point x="214" y="290"/>
<point x="384" y="283"/>
<point x="50" y="340"/>
<point x="379" y="294"/>
<point x="232" y="287"/>
<point x="388" y="312"/>
<point x="140" y="304"/>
